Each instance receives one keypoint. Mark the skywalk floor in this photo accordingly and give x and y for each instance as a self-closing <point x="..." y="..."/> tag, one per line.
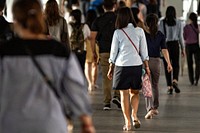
<point x="178" y="113"/>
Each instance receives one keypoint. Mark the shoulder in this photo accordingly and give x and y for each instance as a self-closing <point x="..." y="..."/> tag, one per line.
<point x="139" y="30"/>
<point x="179" y="22"/>
<point x="18" y="47"/>
<point x="186" y="26"/>
<point x="160" y="34"/>
<point x="105" y="16"/>
<point x="161" y="21"/>
<point x="117" y="31"/>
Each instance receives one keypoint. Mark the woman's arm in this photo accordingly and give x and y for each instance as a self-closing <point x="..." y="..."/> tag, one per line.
<point x="166" y="56"/>
<point x="113" y="54"/>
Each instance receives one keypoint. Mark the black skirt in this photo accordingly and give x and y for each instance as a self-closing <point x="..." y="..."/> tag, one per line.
<point x="127" y="77"/>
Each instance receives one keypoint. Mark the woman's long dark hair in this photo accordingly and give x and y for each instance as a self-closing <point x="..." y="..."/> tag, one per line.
<point x="170" y="17"/>
<point x="193" y="18"/>
<point x="76" y="14"/>
<point x="52" y="12"/>
<point x="152" y="23"/>
<point x="124" y="17"/>
<point x="135" y="12"/>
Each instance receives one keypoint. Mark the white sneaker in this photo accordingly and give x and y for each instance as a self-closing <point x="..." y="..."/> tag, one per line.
<point x="155" y="112"/>
<point x="149" y="115"/>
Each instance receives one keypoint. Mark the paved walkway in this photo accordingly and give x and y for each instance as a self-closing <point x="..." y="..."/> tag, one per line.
<point x="178" y="113"/>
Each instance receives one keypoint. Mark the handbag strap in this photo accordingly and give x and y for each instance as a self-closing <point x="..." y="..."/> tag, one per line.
<point x="48" y="81"/>
<point x="130" y="40"/>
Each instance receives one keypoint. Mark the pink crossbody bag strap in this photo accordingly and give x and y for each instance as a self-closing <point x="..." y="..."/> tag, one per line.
<point x="130" y="40"/>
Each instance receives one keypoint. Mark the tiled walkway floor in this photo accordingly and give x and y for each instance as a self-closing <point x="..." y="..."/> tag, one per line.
<point x="178" y="113"/>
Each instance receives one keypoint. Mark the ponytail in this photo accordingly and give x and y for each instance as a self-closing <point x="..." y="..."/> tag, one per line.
<point x="28" y="13"/>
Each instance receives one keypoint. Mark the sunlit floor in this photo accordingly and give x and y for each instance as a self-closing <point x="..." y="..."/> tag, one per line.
<point x="178" y="113"/>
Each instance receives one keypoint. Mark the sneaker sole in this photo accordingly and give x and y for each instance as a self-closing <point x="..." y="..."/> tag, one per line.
<point x="117" y="102"/>
<point x="106" y="108"/>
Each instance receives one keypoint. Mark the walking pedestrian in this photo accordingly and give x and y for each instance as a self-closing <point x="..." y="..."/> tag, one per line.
<point x="172" y="28"/>
<point x="191" y="37"/>
<point x="155" y="43"/>
<point x="102" y="32"/>
<point x="127" y="55"/>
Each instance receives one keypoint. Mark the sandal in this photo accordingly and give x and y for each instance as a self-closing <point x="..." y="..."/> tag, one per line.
<point x="136" y="123"/>
<point x="127" y="127"/>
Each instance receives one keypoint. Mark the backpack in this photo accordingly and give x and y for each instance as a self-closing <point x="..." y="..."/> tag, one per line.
<point x="77" y="39"/>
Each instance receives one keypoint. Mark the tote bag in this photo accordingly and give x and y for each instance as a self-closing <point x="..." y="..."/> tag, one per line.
<point x="146" y="86"/>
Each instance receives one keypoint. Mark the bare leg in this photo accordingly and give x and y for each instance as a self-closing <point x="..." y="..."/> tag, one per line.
<point x="125" y="104"/>
<point x="94" y="73"/>
<point x="88" y="74"/>
<point x="134" y="99"/>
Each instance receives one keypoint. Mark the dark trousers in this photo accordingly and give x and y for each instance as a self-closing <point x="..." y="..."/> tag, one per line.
<point x="81" y="59"/>
<point x="173" y="49"/>
<point x="192" y="51"/>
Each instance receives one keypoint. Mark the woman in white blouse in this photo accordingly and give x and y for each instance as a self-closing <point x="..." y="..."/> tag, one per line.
<point x="128" y="59"/>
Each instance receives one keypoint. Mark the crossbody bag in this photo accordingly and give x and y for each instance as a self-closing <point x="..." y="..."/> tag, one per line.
<point x="146" y="83"/>
<point x="131" y="41"/>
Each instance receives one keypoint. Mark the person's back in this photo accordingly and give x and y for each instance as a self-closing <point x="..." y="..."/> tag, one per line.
<point x="57" y="26"/>
<point x="172" y="29"/>
<point x="30" y="103"/>
<point x="155" y="44"/>
<point x="191" y="37"/>
<point x="78" y="33"/>
<point x="102" y="31"/>
<point x="56" y="30"/>
<point x="105" y="25"/>
<point x="34" y="77"/>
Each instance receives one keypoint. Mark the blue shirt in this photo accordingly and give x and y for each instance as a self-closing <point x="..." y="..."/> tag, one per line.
<point x="123" y="53"/>
<point x="155" y="44"/>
